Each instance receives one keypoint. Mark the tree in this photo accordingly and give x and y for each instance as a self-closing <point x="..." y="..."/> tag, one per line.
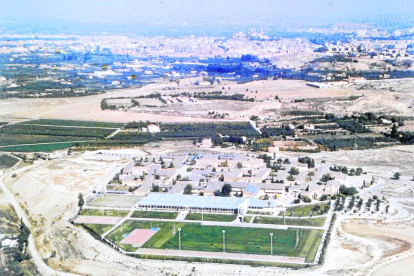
<point x="306" y="199"/>
<point x="81" y="201"/>
<point x="397" y="176"/>
<point x="155" y="188"/>
<point x="188" y="189"/>
<point x="171" y="165"/>
<point x="226" y="189"/>
<point x="221" y="178"/>
<point x="239" y="165"/>
<point x="294" y="171"/>
<point x="326" y="177"/>
<point x="323" y="197"/>
<point x="254" y="118"/>
<point x="394" y="130"/>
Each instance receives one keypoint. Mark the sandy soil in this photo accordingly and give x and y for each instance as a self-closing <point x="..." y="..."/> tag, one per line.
<point x="88" y="108"/>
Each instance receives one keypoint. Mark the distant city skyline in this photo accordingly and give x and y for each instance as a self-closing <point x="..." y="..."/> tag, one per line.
<point x="212" y="12"/>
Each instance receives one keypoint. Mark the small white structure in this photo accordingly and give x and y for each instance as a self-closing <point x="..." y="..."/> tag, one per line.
<point x="153" y="128"/>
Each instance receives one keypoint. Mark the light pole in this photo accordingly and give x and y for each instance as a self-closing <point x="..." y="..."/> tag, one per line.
<point x="224" y="241"/>
<point x="271" y="244"/>
<point x="179" y="238"/>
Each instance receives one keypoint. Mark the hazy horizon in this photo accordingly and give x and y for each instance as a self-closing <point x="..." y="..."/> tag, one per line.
<point x="51" y="13"/>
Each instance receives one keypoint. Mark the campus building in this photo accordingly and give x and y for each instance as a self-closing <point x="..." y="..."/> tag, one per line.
<point x="208" y="203"/>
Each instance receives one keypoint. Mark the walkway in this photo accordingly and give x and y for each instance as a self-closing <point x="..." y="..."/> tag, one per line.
<point x="220" y="255"/>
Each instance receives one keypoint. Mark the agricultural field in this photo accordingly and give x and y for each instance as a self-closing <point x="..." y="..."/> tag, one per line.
<point x="196" y="237"/>
<point x="72" y="131"/>
<point x="355" y="143"/>
<point x="40" y="147"/>
<point x="7" y="161"/>
<point x="210" y="217"/>
<point x="106" y="213"/>
<point x="317" y="222"/>
<point x="19" y="139"/>
<point x="120" y="201"/>
<point x="75" y="123"/>
<point x="153" y="214"/>
<point x="187" y="130"/>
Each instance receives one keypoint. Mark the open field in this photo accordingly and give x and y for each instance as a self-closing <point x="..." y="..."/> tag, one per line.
<point x="302" y="211"/>
<point x="107" y="213"/>
<point x="99" y="228"/>
<point x="317" y="222"/>
<point x="210" y="217"/>
<point x="121" y="201"/>
<point x="7" y="161"/>
<point x="151" y="214"/>
<point x="238" y="240"/>
<point x="75" y="123"/>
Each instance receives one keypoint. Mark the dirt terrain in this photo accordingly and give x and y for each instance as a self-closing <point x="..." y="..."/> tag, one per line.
<point x="88" y="108"/>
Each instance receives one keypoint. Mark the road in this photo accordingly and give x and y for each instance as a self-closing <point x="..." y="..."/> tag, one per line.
<point x="37" y="259"/>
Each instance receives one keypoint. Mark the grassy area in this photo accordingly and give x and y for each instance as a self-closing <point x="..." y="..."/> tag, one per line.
<point x="247" y="219"/>
<point x="7" y="161"/>
<point x="120" y="201"/>
<point x="317" y="222"/>
<point x="210" y="217"/>
<point x="302" y="210"/>
<point x="18" y="139"/>
<point x="106" y="213"/>
<point x="75" y="123"/>
<point x="194" y="236"/>
<point x="41" y="148"/>
<point x="153" y="214"/>
<point x="99" y="228"/>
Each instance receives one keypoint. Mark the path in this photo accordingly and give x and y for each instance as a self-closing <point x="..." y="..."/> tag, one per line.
<point x="220" y="255"/>
<point x="37" y="258"/>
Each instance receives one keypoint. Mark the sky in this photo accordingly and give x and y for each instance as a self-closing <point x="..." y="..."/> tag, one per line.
<point x="183" y="12"/>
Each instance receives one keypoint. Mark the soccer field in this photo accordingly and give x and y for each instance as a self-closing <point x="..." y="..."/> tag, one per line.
<point x="196" y="237"/>
<point x="117" y="201"/>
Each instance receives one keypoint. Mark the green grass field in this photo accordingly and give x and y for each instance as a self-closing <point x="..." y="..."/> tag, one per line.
<point x="106" y="213"/>
<point x="194" y="236"/>
<point x="247" y="219"/>
<point x="304" y="210"/>
<point x="317" y="222"/>
<point x="210" y="217"/>
<point x="99" y="228"/>
<point x="40" y="148"/>
<point x="152" y="214"/>
<point x="9" y="222"/>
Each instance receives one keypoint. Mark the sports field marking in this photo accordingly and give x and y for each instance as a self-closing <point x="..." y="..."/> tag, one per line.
<point x="139" y="236"/>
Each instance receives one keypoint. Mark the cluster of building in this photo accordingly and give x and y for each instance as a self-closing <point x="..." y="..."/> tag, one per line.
<point x="207" y="173"/>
